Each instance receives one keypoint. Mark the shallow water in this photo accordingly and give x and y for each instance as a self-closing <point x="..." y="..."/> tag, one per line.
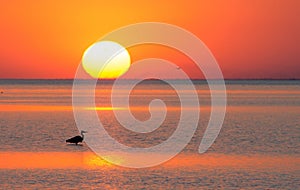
<point x="258" y="147"/>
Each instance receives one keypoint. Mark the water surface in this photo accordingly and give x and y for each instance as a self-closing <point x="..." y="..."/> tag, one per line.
<point x="258" y="147"/>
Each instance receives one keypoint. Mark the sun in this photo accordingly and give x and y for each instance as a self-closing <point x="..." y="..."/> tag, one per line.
<point x="106" y="60"/>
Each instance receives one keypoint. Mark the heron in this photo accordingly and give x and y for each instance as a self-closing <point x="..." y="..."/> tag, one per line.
<point x="76" y="139"/>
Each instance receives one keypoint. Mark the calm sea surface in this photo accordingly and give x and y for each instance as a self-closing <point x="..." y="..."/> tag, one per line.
<point x="257" y="148"/>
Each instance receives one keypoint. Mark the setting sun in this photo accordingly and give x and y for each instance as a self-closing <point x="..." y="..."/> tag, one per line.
<point x="106" y="59"/>
<point x="149" y="95"/>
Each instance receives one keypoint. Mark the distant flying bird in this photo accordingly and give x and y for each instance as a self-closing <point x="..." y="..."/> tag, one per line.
<point x="76" y="139"/>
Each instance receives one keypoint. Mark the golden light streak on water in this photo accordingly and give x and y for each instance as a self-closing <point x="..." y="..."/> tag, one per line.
<point x="88" y="160"/>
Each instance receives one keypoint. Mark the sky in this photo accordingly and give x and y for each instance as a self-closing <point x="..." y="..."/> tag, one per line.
<point x="250" y="39"/>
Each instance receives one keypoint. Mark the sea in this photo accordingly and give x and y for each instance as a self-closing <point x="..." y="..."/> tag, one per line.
<point x="258" y="146"/>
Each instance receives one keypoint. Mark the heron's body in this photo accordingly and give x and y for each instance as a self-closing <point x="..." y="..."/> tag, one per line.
<point x="76" y="139"/>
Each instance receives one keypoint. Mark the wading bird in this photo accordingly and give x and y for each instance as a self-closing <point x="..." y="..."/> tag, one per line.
<point x="76" y="139"/>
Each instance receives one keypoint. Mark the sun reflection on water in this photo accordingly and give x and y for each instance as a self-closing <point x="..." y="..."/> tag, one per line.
<point x="94" y="161"/>
<point x="89" y="160"/>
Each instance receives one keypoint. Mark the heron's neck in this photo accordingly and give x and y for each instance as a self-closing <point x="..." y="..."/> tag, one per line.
<point x="82" y="134"/>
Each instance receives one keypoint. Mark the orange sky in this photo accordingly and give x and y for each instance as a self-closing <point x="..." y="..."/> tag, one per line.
<point x="250" y="39"/>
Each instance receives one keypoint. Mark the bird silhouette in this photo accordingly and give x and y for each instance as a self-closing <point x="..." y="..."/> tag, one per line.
<point x="77" y="139"/>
